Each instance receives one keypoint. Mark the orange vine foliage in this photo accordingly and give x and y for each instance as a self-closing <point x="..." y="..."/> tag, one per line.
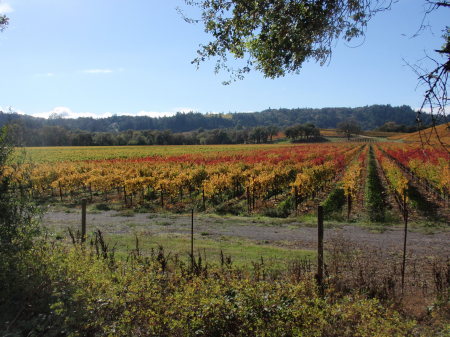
<point x="397" y="181"/>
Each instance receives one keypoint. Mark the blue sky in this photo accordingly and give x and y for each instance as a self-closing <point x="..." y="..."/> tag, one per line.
<point x="104" y="57"/>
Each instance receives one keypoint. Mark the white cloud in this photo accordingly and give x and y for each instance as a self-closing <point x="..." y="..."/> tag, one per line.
<point x="45" y="74"/>
<point x="65" y="112"/>
<point x="98" y="71"/>
<point x="5" y="8"/>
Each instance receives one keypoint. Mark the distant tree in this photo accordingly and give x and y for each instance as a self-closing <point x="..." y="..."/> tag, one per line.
<point x="310" y="131"/>
<point x="302" y="132"/>
<point x="259" y="135"/>
<point x="273" y="131"/>
<point x="292" y="133"/>
<point x="349" y="128"/>
<point x="55" y="135"/>
<point x="103" y="139"/>
<point x="82" y="139"/>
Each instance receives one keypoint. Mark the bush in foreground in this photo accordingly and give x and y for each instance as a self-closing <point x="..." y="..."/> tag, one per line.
<point x="93" y="295"/>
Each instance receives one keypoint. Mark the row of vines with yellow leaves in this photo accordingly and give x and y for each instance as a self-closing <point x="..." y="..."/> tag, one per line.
<point x="430" y="165"/>
<point x="398" y="183"/>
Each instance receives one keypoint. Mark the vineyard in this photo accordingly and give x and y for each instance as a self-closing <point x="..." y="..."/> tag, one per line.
<point x="252" y="248"/>
<point x="272" y="180"/>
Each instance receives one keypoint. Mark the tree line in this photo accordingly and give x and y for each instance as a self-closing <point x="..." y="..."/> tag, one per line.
<point x="21" y="135"/>
<point x="369" y="118"/>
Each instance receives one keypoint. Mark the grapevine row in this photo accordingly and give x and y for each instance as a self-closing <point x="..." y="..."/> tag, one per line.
<point x="398" y="183"/>
<point x="430" y="167"/>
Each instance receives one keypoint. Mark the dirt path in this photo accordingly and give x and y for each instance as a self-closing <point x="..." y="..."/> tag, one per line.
<point x="283" y="232"/>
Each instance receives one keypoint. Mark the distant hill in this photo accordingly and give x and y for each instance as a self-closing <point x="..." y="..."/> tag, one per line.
<point x="429" y="135"/>
<point x="369" y="117"/>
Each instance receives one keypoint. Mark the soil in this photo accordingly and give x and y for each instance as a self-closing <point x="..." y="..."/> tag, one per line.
<point x="282" y="232"/>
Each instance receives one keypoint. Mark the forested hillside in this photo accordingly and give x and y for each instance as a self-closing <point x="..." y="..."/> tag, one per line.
<point x="369" y="117"/>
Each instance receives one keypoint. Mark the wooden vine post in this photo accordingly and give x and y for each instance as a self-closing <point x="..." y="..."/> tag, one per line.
<point x="319" y="275"/>
<point x="405" y="219"/>
<point x="60" y="191"/>
<point x="90" y="192"/>
<point x="249" y="204"/>
<point x="253" y="197"/>
<point x="83" y="220"/>
<point x="349" y="205"/>
<point x="192" y="240"/>
<point x="295" y="199"/>
<point x="203" y="199"/>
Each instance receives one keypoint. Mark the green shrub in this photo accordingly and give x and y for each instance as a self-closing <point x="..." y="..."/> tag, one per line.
<point x="102" y="207"/>
<point x="19" y="227"/>
<point x="282" y="210"/>
<point x="374" y="191"/>
<point x="233" y="207"/>
<point x="156" y="296"/>
<point x="334" y="203"/>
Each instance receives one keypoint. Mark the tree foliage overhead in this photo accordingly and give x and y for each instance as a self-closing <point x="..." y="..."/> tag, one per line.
<point x="3" y="22"/>
<point x="277" y="36"/>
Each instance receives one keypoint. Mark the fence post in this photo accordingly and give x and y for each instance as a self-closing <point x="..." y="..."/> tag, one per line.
<point x="83" y="220"/>
<point x="249" y="205"/>
<point x="320" y="249"/>
<point x="405" y="219"/>
<point x="296" y="199"/>
<point x="192" y="240"/>
<point x="60" y="192"/>
<point x="203" y="199"/>
<point x="349" y="206"/>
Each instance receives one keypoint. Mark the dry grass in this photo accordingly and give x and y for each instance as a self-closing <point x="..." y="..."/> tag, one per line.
<point x="429" y="135"/>
<point x="377" y="273"/>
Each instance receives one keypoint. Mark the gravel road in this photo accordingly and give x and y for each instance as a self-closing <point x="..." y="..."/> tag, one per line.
<point x="287" y="233"/>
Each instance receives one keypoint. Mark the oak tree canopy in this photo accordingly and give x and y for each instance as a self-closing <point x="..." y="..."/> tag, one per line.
<point x="3" y="22"/>
<point x="277" y="36"/>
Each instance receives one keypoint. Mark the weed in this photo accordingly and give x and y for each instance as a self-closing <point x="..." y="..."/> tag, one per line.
<point x="333" y="204"/>
<point x="125" y="213"/>
<point x="102" y="207"/>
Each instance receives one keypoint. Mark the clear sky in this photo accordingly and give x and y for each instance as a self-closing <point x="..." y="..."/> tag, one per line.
<point x="104" y="57"/>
